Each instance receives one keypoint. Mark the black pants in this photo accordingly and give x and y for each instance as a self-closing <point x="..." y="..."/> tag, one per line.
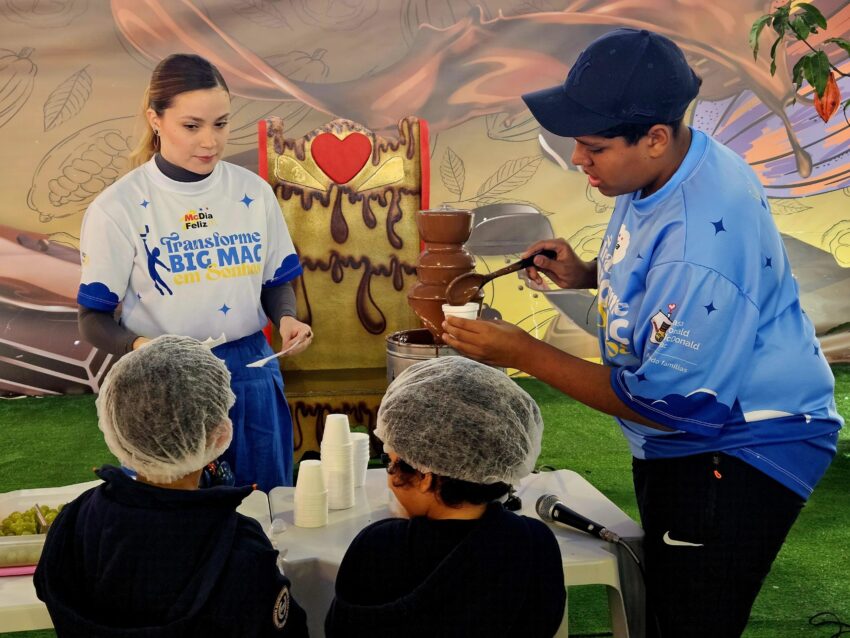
<point x="713" y="525"/>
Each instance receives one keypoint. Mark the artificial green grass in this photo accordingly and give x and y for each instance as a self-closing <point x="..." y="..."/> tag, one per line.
<point x="50" y="441"/>
<point x="55" y="441"/>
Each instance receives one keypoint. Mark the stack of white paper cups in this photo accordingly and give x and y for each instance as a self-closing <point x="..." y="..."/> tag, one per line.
<point x="360" y="456"/>
<point x="338" y="462"/>
<point x="311" y="495"/>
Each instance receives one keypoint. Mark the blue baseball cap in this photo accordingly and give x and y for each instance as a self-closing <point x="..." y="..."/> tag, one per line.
<point x="623" y="77"/>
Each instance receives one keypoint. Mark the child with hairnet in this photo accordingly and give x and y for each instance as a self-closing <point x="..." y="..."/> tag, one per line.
<point x="456" y="435"/>
<point x="157" y="556"/>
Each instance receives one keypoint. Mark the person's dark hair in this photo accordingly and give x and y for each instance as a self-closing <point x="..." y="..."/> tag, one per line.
<point x="452" y="492"/>
<point x="634" y="132"/>
<point x="176" y="74"/>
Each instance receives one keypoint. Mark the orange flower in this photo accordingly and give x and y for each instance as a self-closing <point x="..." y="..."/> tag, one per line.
<point x="827" y="105"/>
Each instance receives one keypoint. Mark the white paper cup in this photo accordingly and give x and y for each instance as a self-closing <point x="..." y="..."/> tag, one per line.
<point x="311" y="510"/>
<point x="360" y="442"/>
<point x="337" y="431"/>
<point x="311" y="478"/>
<point x="336" y="457"/>
<point x="360" y="453"/>
<point x="340" y="491"/>
<point x="338" y="469"/>
<point x="466" y="311"/>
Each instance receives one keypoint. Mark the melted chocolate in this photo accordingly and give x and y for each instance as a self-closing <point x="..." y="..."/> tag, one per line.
<point x="444" y="258"/>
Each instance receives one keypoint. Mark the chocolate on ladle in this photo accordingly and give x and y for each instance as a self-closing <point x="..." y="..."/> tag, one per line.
<point x="467" y="286"/>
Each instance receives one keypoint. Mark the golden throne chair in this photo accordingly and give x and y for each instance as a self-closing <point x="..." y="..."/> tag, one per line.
<point x="349" y="197"/>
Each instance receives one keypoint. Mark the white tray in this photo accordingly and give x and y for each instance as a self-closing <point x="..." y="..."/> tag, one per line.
<point x="26" y="550"/>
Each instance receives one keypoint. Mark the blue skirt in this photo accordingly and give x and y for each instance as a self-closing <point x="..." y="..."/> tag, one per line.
<point x="261" y="450"/>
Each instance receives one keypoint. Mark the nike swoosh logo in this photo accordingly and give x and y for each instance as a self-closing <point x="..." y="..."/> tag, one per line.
<point x="671" y="541"/>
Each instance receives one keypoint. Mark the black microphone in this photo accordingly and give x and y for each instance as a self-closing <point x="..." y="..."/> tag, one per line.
<point x="552" y="510"/>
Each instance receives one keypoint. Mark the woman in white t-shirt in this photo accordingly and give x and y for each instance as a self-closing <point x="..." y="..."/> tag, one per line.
<point x="190" y="245"/>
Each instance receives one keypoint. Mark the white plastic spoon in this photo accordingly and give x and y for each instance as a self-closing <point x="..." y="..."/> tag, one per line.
<point x="265" y="360"/>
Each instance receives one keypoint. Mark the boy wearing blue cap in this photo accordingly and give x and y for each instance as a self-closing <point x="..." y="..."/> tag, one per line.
<point x="709" y="364"/>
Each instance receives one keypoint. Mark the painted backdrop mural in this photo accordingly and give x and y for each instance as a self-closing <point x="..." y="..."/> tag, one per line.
<point x="72" y="74"/>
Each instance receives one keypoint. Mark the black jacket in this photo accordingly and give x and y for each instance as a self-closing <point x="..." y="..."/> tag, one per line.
<point x="130" y="559"/>
<point x="500" y="575"/>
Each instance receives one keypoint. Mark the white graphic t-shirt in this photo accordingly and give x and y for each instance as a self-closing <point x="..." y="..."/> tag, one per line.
<point x="700" y="319"/>
<point x="185" y="258"/>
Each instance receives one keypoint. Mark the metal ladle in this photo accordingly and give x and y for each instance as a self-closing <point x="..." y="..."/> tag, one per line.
<point x="464" y="287"/>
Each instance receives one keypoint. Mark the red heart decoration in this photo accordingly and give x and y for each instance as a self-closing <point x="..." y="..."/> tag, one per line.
<point x="341" y="159"/>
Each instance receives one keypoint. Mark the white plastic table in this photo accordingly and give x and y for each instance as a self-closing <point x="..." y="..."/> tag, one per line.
<point x="311" y="556"/>
<point x="20" y="608"/>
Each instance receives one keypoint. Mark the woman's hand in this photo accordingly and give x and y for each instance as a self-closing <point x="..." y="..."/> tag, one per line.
<point x="566" y="270"/>
<point x="496" y="342"/>
<point x="291" y="331"/>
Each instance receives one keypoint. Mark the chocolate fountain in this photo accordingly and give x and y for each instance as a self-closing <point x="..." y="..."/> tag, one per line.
<point x="444" y="232"/>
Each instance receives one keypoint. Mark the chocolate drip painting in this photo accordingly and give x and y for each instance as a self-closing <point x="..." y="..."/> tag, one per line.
<point x="349" y="197"/>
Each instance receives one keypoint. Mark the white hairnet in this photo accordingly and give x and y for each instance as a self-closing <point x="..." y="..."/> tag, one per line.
<point x="163" y="408"/>
<point x="461" y="419"/>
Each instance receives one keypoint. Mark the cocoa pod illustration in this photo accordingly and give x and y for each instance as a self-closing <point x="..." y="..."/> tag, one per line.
<point x="837" y="240"/>
<point x="36" y="13"/>
<point x="17" y="76"/>
<point x="332" y="16"/>
<point x="77" y="169"/>
<point x="301" y="65"/>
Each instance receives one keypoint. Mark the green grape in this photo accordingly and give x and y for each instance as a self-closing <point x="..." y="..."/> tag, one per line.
<point x="24" y="523"/>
